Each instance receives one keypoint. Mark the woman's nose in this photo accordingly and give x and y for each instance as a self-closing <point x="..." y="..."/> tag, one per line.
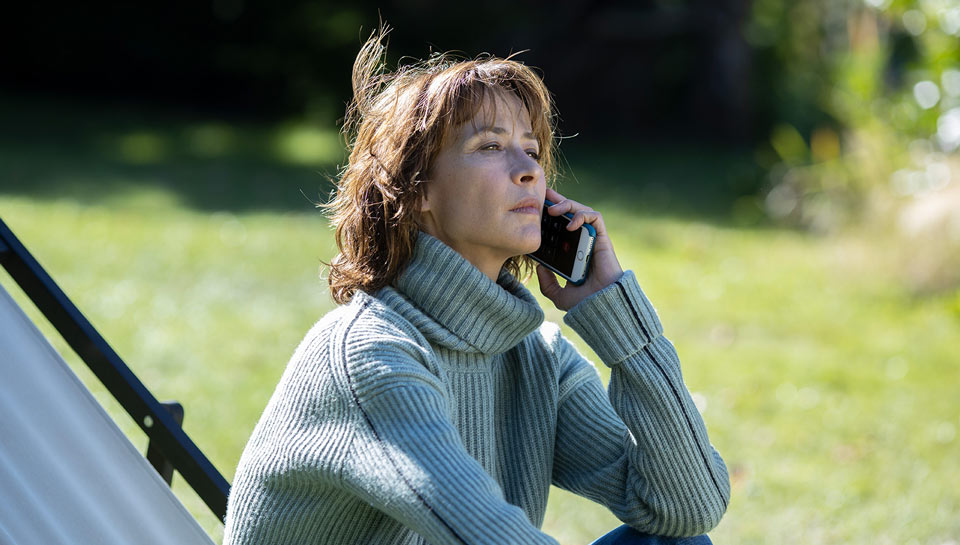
<point x="526" y="169"/>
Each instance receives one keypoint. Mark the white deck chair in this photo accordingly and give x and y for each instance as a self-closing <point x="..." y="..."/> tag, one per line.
<point x="68" y="475"/>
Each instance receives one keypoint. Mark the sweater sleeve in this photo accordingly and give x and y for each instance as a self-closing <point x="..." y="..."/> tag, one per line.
<point x="650" y="460"/>
<point x="408" y="460"/>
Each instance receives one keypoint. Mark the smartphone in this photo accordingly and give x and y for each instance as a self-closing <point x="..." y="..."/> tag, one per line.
<point x="564" y="252"/>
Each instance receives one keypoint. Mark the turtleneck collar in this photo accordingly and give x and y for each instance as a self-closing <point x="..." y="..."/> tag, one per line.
<point x="455" y="305"/>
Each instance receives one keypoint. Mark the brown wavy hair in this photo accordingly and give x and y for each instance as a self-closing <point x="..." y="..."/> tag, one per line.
<point x="394" y="128"/>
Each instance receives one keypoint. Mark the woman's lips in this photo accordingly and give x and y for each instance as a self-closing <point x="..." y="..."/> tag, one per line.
<point x="526" y="210"/>
<point x="530" y="205"/>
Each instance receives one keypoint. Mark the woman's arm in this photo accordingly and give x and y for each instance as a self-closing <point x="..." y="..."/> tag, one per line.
<point x="641" y="449"/>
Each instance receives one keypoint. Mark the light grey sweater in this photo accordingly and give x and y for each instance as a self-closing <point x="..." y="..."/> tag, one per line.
<point x="441" y="411"/>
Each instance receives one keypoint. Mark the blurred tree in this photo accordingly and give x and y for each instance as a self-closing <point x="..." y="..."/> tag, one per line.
<point x="852" y="87"/>
<point x="653" y="67"/>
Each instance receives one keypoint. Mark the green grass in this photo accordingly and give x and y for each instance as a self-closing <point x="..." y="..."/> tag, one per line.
<point x="831" y="393"/>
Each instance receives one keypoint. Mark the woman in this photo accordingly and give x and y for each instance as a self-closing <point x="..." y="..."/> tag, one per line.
<point x="434" y="405"/>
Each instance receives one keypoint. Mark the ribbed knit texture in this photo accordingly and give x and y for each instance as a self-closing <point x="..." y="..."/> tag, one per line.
<point x="441" y="410"/>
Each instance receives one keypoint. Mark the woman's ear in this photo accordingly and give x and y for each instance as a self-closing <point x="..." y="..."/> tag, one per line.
<point x="424" y="199"/>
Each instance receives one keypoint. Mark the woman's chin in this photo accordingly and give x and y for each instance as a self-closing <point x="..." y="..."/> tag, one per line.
<point x="526" y="241"/>
<point x="529" y="244"/>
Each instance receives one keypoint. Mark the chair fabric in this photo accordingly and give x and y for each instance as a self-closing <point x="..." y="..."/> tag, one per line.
<point x="68" y="474"/>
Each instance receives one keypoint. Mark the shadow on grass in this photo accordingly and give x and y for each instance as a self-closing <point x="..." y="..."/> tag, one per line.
<point x="116" y="155"/>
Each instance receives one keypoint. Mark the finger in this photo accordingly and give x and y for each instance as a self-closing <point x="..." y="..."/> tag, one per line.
<point x="559" y="207"/>
<point x="581" y="217"/>
<point x="554" y="197"/>
<point x="567" y="206"/>
<point x="548" y="283"/>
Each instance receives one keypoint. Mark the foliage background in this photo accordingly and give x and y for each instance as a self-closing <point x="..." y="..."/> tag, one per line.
<point x="781" y="175"/>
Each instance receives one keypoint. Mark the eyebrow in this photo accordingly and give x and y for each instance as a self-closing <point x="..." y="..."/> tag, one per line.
<point x="501" y="131"/>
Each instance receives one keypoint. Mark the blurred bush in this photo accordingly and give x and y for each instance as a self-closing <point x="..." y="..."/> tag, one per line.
<point x="865" y="114"/>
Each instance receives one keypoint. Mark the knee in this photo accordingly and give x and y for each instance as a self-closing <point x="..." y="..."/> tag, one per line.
<point x="625" y="535"/>
<point x="696" y="540"/>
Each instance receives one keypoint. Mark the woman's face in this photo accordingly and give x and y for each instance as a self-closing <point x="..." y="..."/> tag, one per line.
<point x="484" y="194"/>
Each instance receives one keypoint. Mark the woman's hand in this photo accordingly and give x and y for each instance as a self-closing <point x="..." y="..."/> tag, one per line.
<point x="604" y="267"/>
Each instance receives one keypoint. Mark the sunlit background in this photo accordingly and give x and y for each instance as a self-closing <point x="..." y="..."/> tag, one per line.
<point x="783" y="176"/>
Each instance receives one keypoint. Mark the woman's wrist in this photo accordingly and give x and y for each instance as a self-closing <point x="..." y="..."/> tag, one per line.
<point x="616" y="321"/>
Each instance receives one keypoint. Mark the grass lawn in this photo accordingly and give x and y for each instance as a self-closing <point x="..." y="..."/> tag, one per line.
<point x="831" y="393"/>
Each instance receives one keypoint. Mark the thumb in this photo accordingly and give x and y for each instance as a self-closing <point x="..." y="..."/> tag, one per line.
<point x="548" y="283"/>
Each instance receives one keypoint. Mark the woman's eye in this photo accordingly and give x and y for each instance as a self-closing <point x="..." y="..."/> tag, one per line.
<point x="494" y="146"/>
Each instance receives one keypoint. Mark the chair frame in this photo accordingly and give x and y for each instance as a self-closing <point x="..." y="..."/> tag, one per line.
<point x="169" y="447"/>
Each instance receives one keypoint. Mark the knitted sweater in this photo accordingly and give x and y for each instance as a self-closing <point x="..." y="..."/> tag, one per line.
<point x="441" y="410"/>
